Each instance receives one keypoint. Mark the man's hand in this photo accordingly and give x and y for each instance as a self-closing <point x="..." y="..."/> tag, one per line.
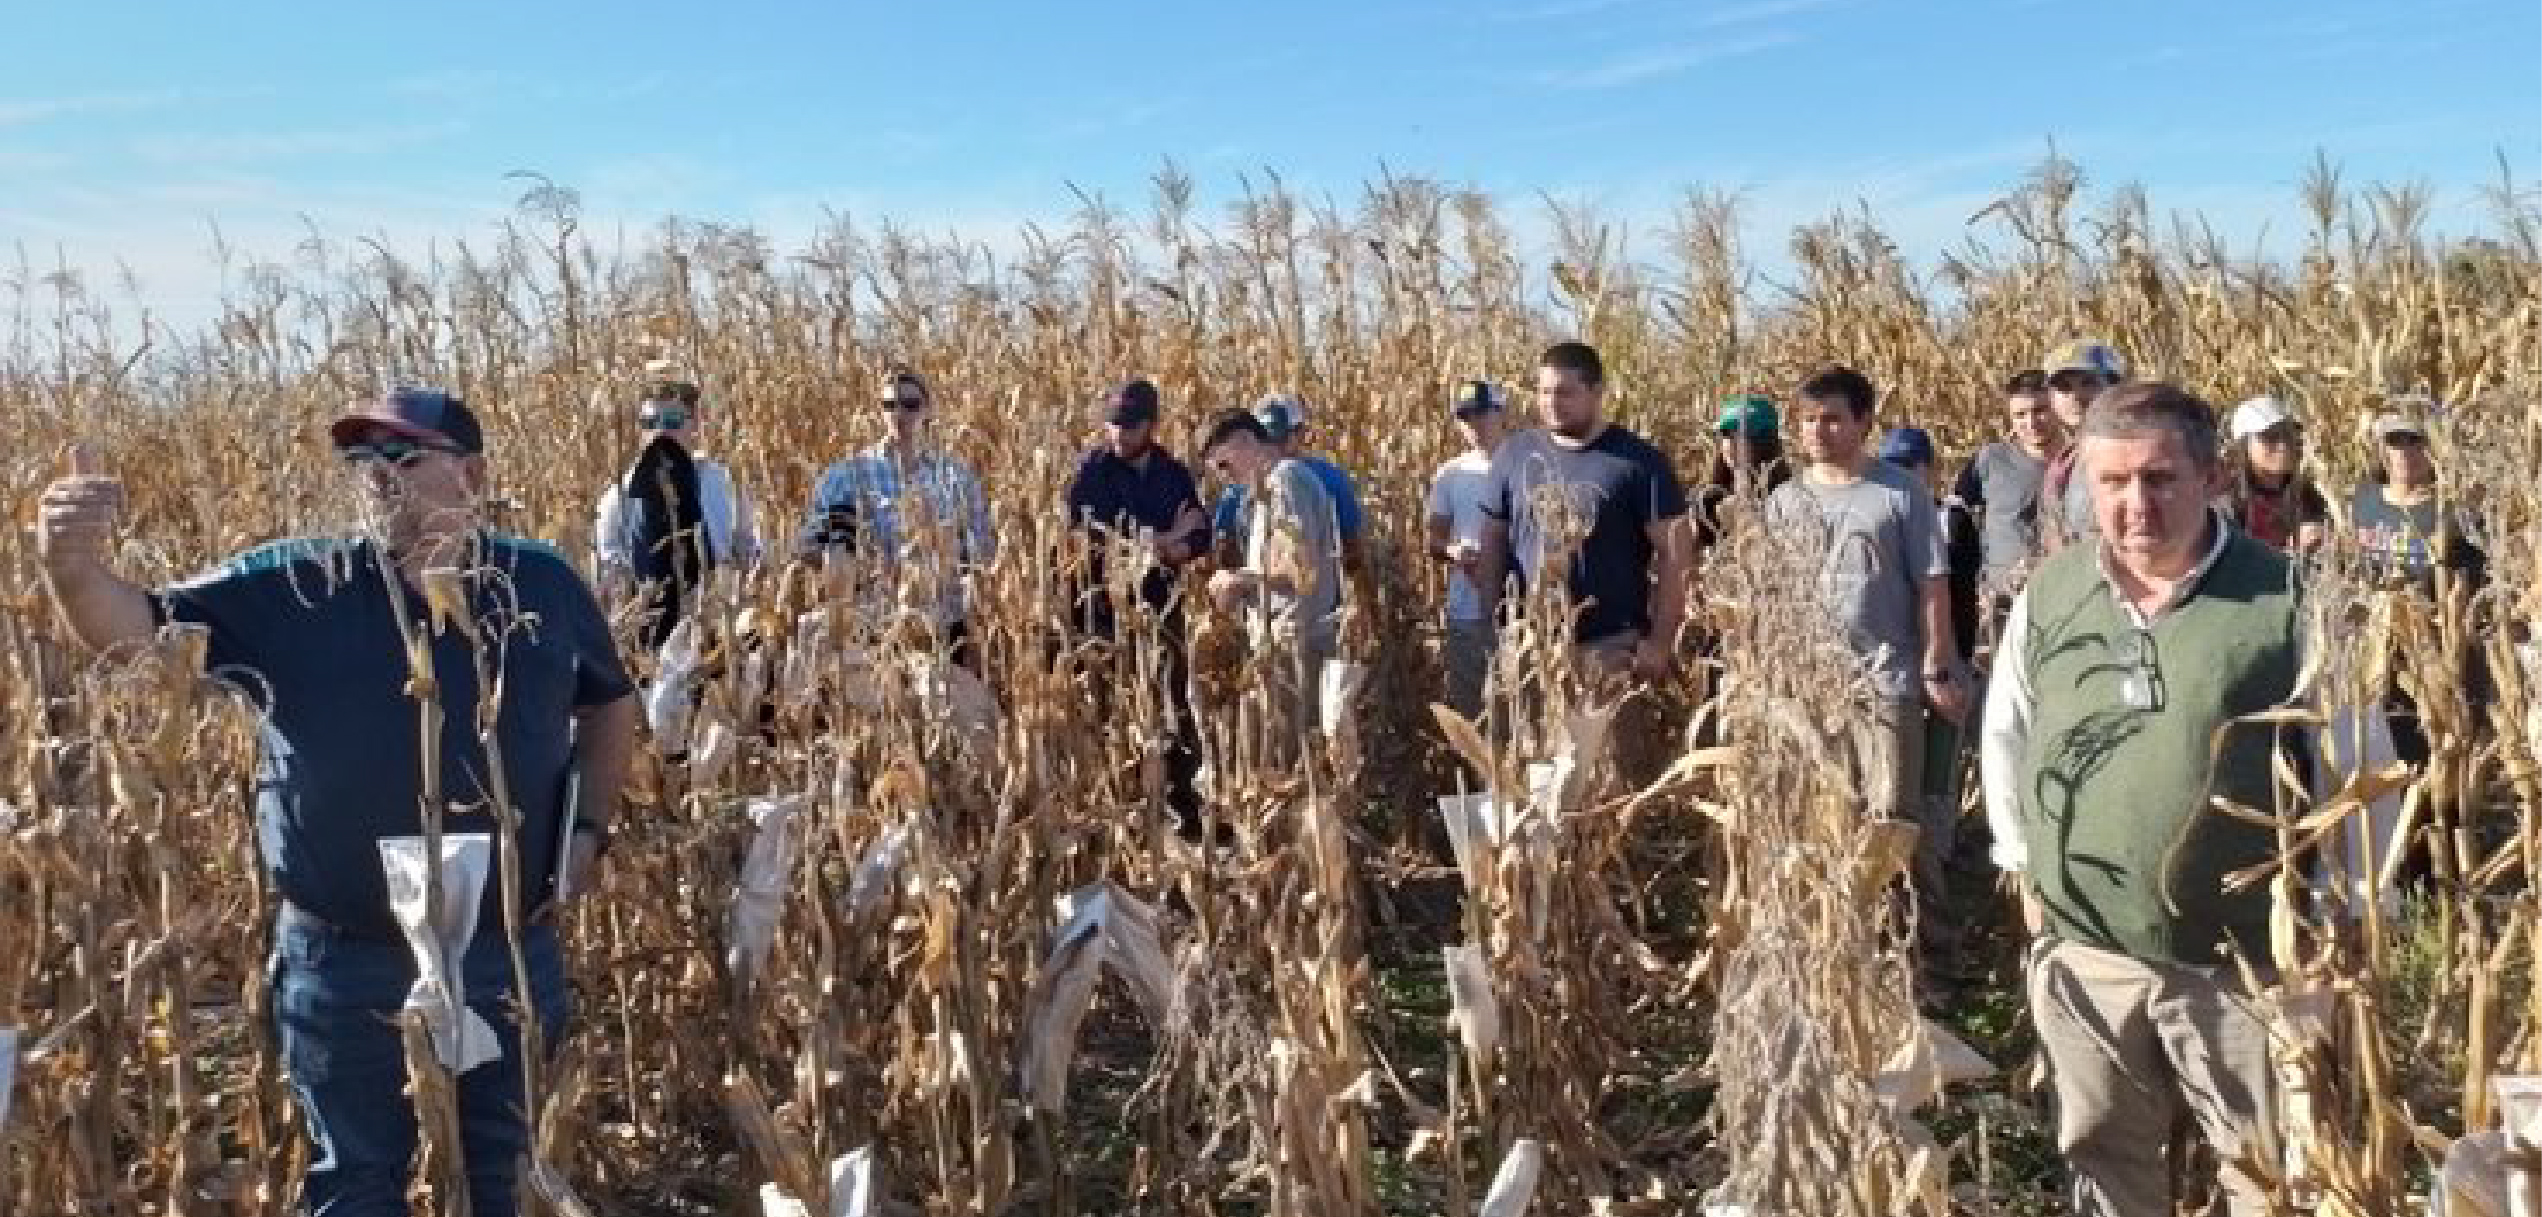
<point x="1651" y="658"/>
<point x="582" y="865"/>
<point x="1231" y="590"/>
<point x="1946" y="690"/>
<point x="79" y="514"/>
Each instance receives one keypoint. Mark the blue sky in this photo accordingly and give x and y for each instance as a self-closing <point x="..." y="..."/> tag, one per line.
<point x="124" y="138"/>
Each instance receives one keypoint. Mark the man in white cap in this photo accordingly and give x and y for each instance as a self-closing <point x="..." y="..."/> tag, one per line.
<point x="1456" y="522"/>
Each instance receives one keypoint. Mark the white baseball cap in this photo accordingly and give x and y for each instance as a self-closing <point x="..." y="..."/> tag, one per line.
<point x="2259" y="414"/>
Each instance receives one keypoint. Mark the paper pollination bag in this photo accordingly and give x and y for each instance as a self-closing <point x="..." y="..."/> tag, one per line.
<point x="461" y="1039"/>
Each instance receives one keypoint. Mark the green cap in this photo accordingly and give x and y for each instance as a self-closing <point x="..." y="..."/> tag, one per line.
<point x="1748" y="414"/>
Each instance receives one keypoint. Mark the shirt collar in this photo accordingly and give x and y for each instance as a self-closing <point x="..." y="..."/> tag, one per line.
<point x="2187" y="587"/>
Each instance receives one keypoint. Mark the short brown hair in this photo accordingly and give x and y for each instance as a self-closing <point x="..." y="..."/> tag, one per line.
<point x="2138" y="407"/>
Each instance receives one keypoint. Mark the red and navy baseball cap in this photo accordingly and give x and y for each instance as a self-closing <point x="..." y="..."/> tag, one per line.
<point x="426" y="416"/>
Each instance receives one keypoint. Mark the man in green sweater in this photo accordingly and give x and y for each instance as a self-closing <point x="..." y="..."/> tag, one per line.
<point x="2121" y="663"/>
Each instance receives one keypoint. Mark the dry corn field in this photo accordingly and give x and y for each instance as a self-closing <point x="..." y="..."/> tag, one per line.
<point x="998" y="980"/>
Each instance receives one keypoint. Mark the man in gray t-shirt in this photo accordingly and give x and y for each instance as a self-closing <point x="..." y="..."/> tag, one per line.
<point x="1290" y="590"/>
<point x="2001" y="484"/>
<point x="1871" y="531"/>
<point x="1879" y="542"/>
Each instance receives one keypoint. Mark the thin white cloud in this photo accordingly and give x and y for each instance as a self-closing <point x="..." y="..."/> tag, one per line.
<point x="1640" y="66"/>
<point x="243" y="148"/>
<point x="29" y="111"/>
<point x="1759" y="10"/>
<point x="1559" y="9"/>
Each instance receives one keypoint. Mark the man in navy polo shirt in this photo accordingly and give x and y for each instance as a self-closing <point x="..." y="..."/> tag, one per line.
<point x="311" y="628"/>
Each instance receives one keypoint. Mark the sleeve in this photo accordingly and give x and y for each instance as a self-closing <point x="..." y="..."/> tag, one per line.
<point x="609" y="542"/>
<point x="2003" y="738"/>
<point x="1079" y="499"/>
<point x="1437" y="501"/>
<point x="820" y="525"/>
<point x="1187" y="494"/>
<point x="1969" y="488"/>
<point x="1668" y="495"/>
<point x="745" y="529"/>
<point x="1346" y="513"/>
<point x="241" y="607"/>
<point x="1495" y="497"/>
<point x="1313" y="509"/>
<point x="600" y="677"/>
<point x="1924" y="540"/>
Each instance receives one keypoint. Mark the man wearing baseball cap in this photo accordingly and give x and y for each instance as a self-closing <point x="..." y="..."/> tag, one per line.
<point x="1478" y="409"/>
<point x="1131" y="487"/>
<point x="1283" y="419"/>
<point x="319" y="629"/>
<point x="2077" y="373"/>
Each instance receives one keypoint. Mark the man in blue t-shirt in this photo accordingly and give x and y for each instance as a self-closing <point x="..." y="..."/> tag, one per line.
<point x="314" y="631"/>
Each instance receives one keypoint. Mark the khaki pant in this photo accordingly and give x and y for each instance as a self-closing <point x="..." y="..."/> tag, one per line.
<point x="2133" y="1046"/>
<point x="1891" y="757"/>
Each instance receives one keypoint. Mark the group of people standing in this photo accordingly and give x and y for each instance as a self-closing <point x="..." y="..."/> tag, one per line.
<point x="2112" y="581"/>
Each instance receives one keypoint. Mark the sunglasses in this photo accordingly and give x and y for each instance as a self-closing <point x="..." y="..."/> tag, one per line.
<point x="910" y="405"/>
<point x="399" y="453"/>
<point x="662" y="418"/>
<point x="2143" y="689"/>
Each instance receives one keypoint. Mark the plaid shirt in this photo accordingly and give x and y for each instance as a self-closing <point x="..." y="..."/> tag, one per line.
<point x="894" y="507"/>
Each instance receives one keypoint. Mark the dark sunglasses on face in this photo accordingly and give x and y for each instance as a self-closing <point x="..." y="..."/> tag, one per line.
<point x="662" y="418"/>
<point x="400" y="453"/>
<point x="908" y="404"/>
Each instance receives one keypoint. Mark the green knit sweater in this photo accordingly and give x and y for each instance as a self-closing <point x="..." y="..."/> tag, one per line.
<point x="2125" y="847"/>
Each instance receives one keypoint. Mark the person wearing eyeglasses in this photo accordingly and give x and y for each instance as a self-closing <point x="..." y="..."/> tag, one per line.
<point x="1457" y="491"/>
<point x="911" y="515"/>
<point x="674" y="515"/>
<point x="2118" y="722"/>
<point x="312" y="631"/>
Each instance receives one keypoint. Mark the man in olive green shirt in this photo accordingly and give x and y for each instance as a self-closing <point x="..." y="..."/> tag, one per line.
<point x="2122" y="662"/>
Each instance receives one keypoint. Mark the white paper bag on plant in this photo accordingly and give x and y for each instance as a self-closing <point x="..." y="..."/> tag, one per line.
<point x="759" y="897"/>
<point x="876" y="871"/>
<point x="1337" y="692"/>
<point x="671" y="701"/>
<point x="1105" y="927"/>
<point x="461" y="1038"/>
<point x="2473" y="1181"/>
<point x="1472" y="1004"/>
<point x="1514" y="1185"/>
<point x="852" y="1191"/>
<point x="8" y="1071"/>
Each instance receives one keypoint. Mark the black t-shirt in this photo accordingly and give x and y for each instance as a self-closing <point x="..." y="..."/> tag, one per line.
<point x="306" y="628"/>
<point x="1618" y="485"/>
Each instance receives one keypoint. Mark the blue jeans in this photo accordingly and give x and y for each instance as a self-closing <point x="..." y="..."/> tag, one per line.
<point x="336" y="998"/>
